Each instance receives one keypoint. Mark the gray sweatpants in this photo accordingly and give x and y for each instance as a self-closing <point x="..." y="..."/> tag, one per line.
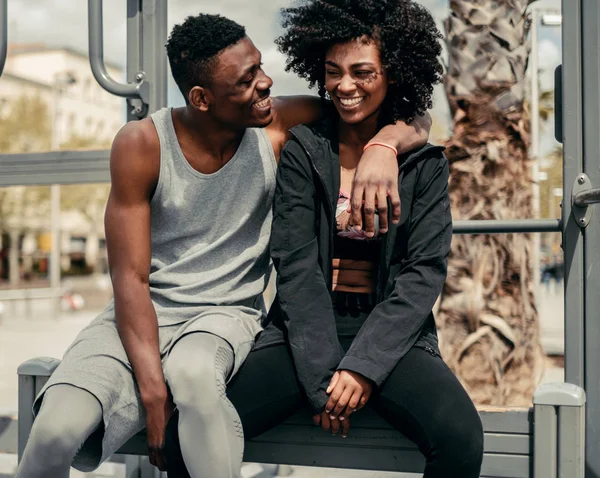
<point x="210" y="431"/>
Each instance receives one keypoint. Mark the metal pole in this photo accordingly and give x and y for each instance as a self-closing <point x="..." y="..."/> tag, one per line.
<point x="55" y="199"/>
<point x="154" y="58"/>
<point x="590" y="274"/>
<point x="3" y="34"/>
<point x="135" y="107"/>
<point x="572" y="90"/>
<point x="96" y="49"/>
<point x="535" y="145"/>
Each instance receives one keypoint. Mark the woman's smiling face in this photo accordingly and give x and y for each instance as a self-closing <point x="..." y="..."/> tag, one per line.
<point x="355" y="79"/>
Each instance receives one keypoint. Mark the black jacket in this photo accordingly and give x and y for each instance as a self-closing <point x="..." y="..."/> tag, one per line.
<point x="412" y="269"/>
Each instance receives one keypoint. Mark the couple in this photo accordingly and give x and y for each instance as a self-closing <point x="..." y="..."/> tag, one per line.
<point x="197" y="198"/>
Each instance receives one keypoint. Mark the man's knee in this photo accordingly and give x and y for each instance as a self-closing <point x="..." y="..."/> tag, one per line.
<point x="68" y="415"/>
<point x="56" y="436"/>
<point x="197" y="381"/>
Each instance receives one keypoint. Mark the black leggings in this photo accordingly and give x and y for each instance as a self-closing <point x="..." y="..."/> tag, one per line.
<point x="421" y="398"/>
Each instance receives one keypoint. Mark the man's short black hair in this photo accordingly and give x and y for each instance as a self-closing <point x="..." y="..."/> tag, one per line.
<point x="193" y="46"/>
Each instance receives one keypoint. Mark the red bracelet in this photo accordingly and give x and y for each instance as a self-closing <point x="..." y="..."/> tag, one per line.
<point x="377" y="143"/>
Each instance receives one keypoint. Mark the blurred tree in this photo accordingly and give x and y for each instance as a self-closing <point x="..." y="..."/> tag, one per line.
<point x="25" y="127"/>
<point x="489" y="330"/>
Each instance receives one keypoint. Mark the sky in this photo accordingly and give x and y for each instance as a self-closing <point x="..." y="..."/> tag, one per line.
<point x="64" y="23"/>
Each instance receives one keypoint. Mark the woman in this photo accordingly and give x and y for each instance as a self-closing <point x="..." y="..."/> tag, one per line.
<point x="358" y="310"/>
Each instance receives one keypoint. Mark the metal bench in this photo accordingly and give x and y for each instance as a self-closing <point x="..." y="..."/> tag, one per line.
<point x="546" y="441"/>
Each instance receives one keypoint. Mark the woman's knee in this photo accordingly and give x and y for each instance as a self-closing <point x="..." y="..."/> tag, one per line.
<point x="459" y="445"/>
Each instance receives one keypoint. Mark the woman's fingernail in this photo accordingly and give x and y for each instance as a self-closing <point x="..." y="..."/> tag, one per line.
<point x="341" y="419"/>
<point x="331" y="417"/>
<point x="344" y="436"/>
<point x="327" y="411"/>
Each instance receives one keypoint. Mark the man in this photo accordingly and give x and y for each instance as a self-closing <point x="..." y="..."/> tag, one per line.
<point x="187" y="223"/>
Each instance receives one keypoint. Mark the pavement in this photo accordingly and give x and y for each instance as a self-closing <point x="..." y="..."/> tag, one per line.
<point x="37" y="330"/>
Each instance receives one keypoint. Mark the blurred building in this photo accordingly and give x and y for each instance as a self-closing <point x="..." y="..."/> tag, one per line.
<point x="77" y="107"/>
<point x="63" y="79"/>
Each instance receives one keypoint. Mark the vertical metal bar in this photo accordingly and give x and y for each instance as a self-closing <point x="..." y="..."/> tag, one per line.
<point x="55" y="244"/>
<point x="3" y="34"/>
<point x="571" y="442"/>
<point x="572" y="166"/>
<point x="590" y="15"/>
<point x="55" y="226"/>
<point x="154" y="60"/>
<point x="134" y="53"/>
<point x="545" y="456"/>
<point x="25" y="411"/>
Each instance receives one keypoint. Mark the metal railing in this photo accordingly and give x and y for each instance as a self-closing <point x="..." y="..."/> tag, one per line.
<point x="3" y="34"/>
<point x="507" y="226"/>
<point x="138" y="90"/>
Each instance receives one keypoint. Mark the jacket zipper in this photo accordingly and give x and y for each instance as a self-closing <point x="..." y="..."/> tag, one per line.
<point x="329" y="208"/>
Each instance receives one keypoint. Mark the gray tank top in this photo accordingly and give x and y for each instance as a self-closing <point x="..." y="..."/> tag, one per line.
<point x="210" y="232"/>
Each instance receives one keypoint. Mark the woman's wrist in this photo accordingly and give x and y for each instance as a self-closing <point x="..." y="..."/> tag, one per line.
<point x="381" y="144"/>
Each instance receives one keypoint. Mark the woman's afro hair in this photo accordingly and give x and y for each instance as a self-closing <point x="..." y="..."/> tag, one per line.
<point x="406" y="33"/>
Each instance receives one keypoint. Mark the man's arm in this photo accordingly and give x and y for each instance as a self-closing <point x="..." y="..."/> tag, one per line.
<point x="290" y="111"/>
<point x="134" y="168"/>
<point x="376" y="176"/>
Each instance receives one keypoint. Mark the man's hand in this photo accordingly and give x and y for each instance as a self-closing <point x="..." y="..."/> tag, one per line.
<point x="375" y="180"/>
<point x="159" y="409"/>
<point x="335" y="425"/>
<point x="349" y="391"/>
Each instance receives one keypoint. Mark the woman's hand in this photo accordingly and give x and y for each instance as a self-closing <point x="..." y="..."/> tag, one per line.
<point x="348" y="391"/>
<point x="334" y="425"/>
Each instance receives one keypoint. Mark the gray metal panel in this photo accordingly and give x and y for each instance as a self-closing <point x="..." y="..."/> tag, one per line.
<point x="507" y="420"/>
<point x="58" y="167"/>
<point x="494" y="419"/>
<point x="545" y="442"/>
<point x="497" y="466"/>
<point x="572" y="166"/>
<point x="3" y="34"/>
<point x="591" y="236"/>
<point x="410" y="461"/>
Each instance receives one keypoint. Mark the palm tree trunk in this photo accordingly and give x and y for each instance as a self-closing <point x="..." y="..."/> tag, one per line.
<point x="489" y="330"/>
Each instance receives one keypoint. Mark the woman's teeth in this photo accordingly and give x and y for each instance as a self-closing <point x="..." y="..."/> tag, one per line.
<point x="351" y="101"/>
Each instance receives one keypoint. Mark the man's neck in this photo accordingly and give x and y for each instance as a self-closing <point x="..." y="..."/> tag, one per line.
<point x="209" y="139"/>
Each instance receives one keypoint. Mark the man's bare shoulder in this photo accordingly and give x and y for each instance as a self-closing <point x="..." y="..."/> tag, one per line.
<point x="290" y="111"/>
<point x="135" y="152"/>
